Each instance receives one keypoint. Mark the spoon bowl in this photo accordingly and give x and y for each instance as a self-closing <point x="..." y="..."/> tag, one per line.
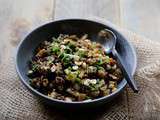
<point x="108" y="39"/>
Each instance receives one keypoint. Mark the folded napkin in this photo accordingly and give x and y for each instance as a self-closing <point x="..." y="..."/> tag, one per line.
<point x="17" y="103"/>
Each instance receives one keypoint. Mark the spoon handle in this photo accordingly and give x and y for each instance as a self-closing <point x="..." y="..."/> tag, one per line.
<point x="127" y="75"/>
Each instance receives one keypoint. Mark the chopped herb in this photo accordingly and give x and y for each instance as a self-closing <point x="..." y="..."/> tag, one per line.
<point x="55" y="48"/>
<point x="100" y="61"/>
<point x="81" y="53"/>
<point x="107" y="60"/>
<point x="66" y="59"/>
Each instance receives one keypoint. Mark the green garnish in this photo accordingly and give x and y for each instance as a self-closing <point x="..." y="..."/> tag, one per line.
<point x="107" y="60"/>
<point x="78" y="80"/>
<point x="34" y="67"/>
<point x="72" y="76"/>
<point x="81" y="53"/>
<point x="100" y="62"/>
<point x="68" y="50"/>
<point x="66" y="59"/>
<point x="55" y="48"/>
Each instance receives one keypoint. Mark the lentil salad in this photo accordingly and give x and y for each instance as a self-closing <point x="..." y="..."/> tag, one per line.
<point x="73" y="68"/>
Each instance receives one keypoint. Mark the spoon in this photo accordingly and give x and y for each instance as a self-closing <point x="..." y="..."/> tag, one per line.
<point x="108" y="39"/>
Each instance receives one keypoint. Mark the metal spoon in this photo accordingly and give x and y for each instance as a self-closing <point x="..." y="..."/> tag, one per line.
<point x="108" y="39"/>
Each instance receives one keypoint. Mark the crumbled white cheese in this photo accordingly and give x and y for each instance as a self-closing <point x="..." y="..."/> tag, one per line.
<point x="68" y="99"/>
<point x="86" y="82"/>
<point x="76" y="58"/>
<point x="84" y="65"/>
<point x="93" y="81"/>
<point x="89" y="81"/>
<point x="53" y="68"/>
<point x="63" y="47"/>
<point x="78" y="63"/>
<point x="81" y="49"/>
<point x="75" y="67"/>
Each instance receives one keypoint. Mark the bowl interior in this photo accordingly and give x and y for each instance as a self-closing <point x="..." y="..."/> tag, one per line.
<point x="78" y="27"/>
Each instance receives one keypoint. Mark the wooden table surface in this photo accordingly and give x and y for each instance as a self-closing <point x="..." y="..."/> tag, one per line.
<point x="18" y="17"/>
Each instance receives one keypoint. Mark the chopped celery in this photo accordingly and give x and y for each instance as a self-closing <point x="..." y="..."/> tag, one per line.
<point x="55" y="48"/>
<point x="100" y="62"/>
<point x="72" y="76"/>
<point x="107" y="60"/>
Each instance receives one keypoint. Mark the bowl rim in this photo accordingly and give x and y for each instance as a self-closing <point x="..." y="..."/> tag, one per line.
<point x="74" y="102"/>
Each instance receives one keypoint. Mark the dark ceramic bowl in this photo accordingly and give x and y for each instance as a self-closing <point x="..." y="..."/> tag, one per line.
<point x="71" y="26"/>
